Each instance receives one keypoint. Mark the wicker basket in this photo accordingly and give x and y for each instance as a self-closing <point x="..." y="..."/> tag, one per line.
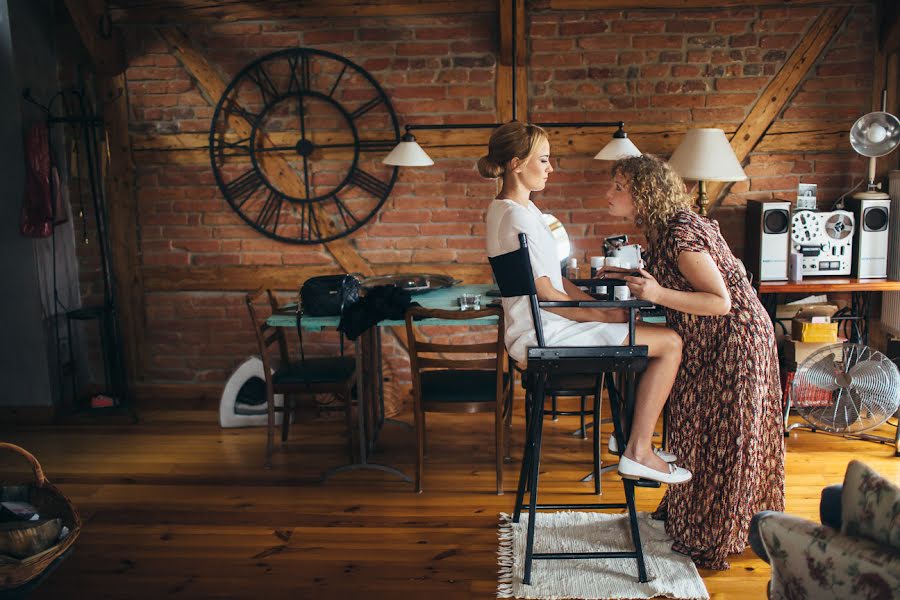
<point x="51" y="503"/>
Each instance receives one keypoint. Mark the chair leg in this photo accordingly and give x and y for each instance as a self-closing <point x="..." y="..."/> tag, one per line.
<point x="287" y="412"/>
<point x="498" y="444"/>
<point x="597" y="437"/>
<point x="420" y="446"/>
<point x="635" y="530"/>
<point x="535" y="469"/>
<point x="527" y="454"/>
<point x="507" y="434"/>
<point x="553" y="409"/>
<point x="581" y="416"/>
<point x="270" y="429"/>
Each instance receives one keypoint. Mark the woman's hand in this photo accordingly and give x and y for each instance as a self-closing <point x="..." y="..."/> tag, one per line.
<point x="645" y="287"/>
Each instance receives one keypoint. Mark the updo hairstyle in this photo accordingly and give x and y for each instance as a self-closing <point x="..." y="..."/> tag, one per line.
<point x="510" y="140"/>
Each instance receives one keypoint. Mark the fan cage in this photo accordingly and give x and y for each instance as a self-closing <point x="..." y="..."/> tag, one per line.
<point x="846" y="388"/>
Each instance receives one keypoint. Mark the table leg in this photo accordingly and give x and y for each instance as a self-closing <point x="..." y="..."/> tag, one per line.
<point x="367" y="395"/>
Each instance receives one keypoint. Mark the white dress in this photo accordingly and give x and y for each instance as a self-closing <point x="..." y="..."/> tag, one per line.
<point x="506" y="219"/>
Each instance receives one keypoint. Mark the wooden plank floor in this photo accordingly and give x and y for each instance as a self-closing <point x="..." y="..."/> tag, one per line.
<point x="177" y="507"/>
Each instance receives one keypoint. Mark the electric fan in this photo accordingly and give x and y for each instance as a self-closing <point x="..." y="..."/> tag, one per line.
<point x="846" y="388"/>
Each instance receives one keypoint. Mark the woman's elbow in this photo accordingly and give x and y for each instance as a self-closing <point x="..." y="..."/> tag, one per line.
<point x="723" y="307"/>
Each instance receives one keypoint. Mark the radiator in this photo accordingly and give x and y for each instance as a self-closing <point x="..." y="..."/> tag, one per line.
<point x="890" y="301"/>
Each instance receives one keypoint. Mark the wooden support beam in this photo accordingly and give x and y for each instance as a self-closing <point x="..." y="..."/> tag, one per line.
<point x="782" y="87"/>
<point x="240" y="278"/>
<point x="195" y="11"/>
<point x="505" y="67"/>
<point x="100" y="39"/>
<point x="674" y="4"/>
<point x="104" y="45"/>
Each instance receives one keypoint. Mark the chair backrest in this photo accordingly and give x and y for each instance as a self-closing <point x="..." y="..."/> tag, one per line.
<point x="514" y="277"/>
<point x="427" y="355"/>
<point x="266" y="335"/>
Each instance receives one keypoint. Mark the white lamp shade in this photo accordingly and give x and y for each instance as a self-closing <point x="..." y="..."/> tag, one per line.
<point x="408" y="154"/>
<point x="618" y="148"/>
<point x="706" y="155"/>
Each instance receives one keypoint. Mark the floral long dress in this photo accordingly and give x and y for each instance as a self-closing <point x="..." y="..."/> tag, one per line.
<point x="724" y="412"/>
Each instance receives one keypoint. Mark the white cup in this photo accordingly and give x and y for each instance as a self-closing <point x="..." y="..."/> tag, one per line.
<point x="597" y="263"/>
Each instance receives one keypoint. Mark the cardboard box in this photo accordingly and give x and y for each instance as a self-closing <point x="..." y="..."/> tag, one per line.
<point x="789" y="311"/>
<point x="796" y="352"/>
<point x="804" y="330"/>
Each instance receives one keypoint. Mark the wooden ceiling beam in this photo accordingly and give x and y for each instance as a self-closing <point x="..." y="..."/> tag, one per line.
<point x="782" y="87"/>
<point x="162" y="12"/>
<point x="100" y="39"/>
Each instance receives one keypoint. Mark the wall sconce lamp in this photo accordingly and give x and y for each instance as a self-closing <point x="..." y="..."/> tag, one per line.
<point x="706" y="155"/>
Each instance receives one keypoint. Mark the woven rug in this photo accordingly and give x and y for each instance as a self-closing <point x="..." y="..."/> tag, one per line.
<point x="671" y="575"/>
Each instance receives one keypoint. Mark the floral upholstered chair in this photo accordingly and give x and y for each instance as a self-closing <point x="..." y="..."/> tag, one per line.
<point x="854" y="554"/>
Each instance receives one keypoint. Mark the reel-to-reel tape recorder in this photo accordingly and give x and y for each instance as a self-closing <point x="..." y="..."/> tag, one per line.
<point x="825" y="240"/>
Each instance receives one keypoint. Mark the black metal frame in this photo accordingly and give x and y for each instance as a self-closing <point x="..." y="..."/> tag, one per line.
<point x="515" y="278"/>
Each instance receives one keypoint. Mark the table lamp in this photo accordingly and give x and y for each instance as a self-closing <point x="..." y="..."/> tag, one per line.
<point x="706" y="155"/>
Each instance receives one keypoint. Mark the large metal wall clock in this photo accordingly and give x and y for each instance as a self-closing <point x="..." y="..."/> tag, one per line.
<point x="296" y="144"/>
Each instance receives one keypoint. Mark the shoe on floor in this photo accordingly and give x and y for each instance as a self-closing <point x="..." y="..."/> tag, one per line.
<point x="631" y="469"/>
<point x="613" y="447"/>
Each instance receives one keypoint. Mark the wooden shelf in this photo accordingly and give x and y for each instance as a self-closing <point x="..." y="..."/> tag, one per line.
<point x="829" y="284"/>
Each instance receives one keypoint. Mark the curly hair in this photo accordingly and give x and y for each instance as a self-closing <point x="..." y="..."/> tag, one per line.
<point x="657" y="190"/>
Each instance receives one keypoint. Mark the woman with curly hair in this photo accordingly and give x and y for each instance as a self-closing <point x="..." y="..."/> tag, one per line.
<point x="519" y="153"/>
<point x="724" y="413"/>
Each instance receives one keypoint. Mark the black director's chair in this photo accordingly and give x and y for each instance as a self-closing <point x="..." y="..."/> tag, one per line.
<point x="515" y="278"/>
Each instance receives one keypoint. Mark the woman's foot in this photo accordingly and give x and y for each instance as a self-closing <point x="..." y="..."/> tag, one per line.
<point x="613" y="447"/>
<point x="649" y="466"/>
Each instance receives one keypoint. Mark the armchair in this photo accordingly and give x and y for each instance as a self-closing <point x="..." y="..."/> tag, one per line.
<point x="855" y="553"/>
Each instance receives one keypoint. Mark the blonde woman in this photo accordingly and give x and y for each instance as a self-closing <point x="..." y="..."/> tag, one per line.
<point x="725" y="409"/>
<point x="519" y="153"/>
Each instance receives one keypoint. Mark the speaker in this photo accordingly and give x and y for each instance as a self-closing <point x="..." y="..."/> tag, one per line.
<point x="768" y="239"/>
<point x="871" y="238"/>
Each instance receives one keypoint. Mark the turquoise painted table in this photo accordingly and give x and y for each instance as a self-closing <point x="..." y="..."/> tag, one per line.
<point x="446" y="298"/>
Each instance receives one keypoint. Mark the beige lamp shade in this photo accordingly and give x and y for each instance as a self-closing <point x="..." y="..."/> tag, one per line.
<point x="408" y="153"/>
<point x="618" y="147"/>
<point x="706" y="155"/>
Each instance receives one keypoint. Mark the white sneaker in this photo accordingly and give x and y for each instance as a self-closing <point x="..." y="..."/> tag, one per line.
<point x="630" y="469"/>
<point x="613" y="447"/>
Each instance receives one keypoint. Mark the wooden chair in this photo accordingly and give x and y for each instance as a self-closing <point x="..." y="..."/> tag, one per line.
<point x="459" y="378"/>
<point x="324" y="375"/>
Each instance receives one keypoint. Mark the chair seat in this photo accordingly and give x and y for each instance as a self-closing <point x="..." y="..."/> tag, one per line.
<point x="460" y="386"/>
<point x="316" y="370"/>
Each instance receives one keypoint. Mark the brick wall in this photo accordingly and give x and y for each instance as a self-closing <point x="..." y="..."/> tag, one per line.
<point x="643" y="66"/>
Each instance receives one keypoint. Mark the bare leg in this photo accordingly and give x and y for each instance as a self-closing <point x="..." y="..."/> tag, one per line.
<point x="664" y="349"/>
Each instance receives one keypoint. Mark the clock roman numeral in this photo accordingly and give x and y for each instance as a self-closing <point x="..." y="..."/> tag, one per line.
<point x="347" y="217"/>
<point x="267" y="87"/>
<point x="242" y="189"/>
<point x="337" y="81"/>
<point x="302" y="81"/>
<point x="369" y="183"/>
<point x="309" y="223"/>
<point x="271" y="209"/>
<point x="250" y="117"/>
<point x="239" y="147"/>
<point x="366" y="107"/>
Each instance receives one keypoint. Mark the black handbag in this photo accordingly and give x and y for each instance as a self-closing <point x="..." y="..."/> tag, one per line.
<point x="326" y="296"/>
